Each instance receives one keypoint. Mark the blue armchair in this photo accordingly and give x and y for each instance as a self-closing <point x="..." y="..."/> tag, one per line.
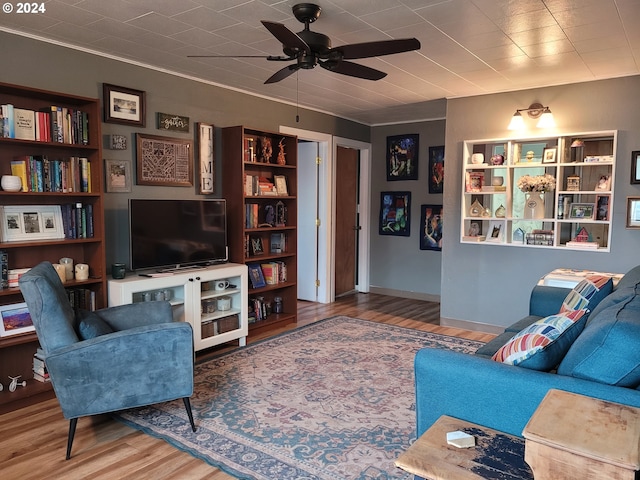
<point x="138" y="355"/>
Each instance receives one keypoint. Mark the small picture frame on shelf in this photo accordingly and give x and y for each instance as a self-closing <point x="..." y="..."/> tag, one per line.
<point x="582" y="211"/>
<point x="602" y="207"/>
<point x="495" y="233"/>
<point x="475" y="181"/>
<point x="256" y="276"/>
<point x="15" y="320"/>
<point x="31" y="222"/>
<point x="281" y="185"/>
<point x="549" y="155"/>
<point x="635" y="166"/>
<point x="256" y="246"/>
<point x="603" y="184"/>
<point x="633" y="212"/>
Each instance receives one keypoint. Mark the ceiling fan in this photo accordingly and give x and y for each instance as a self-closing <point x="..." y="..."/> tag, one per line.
<point x="309" y="49"/>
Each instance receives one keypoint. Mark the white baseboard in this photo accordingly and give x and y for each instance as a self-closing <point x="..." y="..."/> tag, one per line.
<point x="404" y="294"/>
<point x="472" y="326"/>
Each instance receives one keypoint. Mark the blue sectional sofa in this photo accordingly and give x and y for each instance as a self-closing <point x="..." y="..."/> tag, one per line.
<point x="603" y="362"/>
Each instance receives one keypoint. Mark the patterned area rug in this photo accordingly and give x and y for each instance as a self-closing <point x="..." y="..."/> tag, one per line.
<point x="332" y="400"/>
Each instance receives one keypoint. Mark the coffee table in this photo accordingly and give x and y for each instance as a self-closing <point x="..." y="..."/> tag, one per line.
<point x="495" y="456"/>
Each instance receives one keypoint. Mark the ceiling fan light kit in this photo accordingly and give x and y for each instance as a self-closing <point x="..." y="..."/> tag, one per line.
<point x="308" y="49"/>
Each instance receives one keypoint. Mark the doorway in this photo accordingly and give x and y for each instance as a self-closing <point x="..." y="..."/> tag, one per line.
<point x="347" y="222"/>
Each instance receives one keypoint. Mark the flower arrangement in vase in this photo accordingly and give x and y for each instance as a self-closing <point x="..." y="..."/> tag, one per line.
<point x="534" y="188"/>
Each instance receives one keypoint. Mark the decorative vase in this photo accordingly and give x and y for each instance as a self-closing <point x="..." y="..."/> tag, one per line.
<point x="11" y="183"/>
<point x="533" y="205"/>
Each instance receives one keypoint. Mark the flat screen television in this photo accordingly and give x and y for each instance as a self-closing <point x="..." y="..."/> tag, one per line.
<point x="172" y="234"/>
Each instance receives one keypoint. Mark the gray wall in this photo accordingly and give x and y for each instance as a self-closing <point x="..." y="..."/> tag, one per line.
<point x="398" y="266"/>
<point x="491" y="284"/>
<point x="51" y="67"/>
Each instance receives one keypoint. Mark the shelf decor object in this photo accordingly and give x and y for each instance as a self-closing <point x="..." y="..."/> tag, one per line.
<point x="551" y="187"/>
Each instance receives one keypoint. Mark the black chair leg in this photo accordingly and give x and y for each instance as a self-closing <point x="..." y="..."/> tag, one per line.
<point x="187" y="405"/>
<point x="72" y="431"/>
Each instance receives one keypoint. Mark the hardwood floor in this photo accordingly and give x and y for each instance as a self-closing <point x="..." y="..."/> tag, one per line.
<point x="33" y="439"/>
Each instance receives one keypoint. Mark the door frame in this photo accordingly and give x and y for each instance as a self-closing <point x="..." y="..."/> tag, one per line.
<point x="326" y="239"/>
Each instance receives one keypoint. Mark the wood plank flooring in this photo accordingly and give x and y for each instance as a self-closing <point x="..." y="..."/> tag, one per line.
<point x="33" y="439"/>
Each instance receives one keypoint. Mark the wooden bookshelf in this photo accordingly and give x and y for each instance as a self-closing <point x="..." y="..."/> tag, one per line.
<point x="16" y="351"/>
<point x="243" y="160"/>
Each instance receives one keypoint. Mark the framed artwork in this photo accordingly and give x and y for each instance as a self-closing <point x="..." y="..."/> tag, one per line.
<point x="436" y="169"/>
<point x="164" y="161"/>
<point x="431" y="227"/>
<point x="15" y="320"/>
<point x="495" y="232"/>
<point x="117" y="176"/>
<point x="256" y="246"/>
<point x="604" y="184"/>
<point x="602" y="207"/>
<point x="206" y="159"/>
<point x="123" y="105"/>
<point x="31" y="222"/>
<point x="395" y="213"/>
<point x="281" y="184"/>
<point x="549" y="155"/>
<point x="633" y="212"/>
<point x="176" y="123"/>
<point x="402" y="157"/>
<point x="635" y="166"/>
<point x="256" y="276"/>
<point x="583" y="211"/>
<point x="118" y="142"/>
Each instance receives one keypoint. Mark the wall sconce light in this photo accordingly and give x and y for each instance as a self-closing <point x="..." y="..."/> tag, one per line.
<point x="535" y="110"/>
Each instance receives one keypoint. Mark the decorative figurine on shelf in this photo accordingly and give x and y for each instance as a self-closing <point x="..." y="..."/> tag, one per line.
<point x="474" y="229"/>
<point x="281" y="214"/>
<point x="582" y="236"/>
<point x="476" y="209"/>
<point x="14" y="383"/>
<point x="270" y="215"/>
<point x="266" y="150"/>
<point x="500" y="211"/>
<point x="281" y="154"/>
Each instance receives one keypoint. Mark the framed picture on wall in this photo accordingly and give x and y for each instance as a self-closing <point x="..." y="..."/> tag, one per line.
<point x="436" y="169"/>
<point x="402" y="157"/>
<point x="123" y="105"/>
<point x="395" y="213"/>
<point x="431" y="227"/>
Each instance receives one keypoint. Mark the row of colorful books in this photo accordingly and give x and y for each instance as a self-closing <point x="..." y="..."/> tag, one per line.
<point x="39" y="174"/>
<point x="267" y="273"/>
<point x="52" y="124"/>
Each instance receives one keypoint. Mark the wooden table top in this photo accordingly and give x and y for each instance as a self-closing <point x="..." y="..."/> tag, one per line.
<point x="496" y="454"/>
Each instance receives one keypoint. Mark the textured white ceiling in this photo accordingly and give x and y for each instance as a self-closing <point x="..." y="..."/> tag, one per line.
<point x="469" y="47"/>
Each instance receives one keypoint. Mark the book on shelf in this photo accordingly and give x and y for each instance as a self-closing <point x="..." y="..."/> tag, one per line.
<point x="4" y="269"/>
<point x="8" y="127"/>
<point x="270" y="272"/>
<point x="256" y="276"/>
<point x="25" y="124"/>
<point x="278" y="243"/>
<point x="40" y="174"/>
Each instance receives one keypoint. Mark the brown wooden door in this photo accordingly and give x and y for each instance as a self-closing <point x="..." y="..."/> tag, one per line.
<point x="346" y="220"/>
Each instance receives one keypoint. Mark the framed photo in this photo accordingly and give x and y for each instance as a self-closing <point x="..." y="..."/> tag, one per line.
<point x="118" y="142"/>
<point x="633" y="212"/>
<point x="495" y="233"/>
<point x="31" y="222"/>
<point x="402" y="157"/>
<point x="602" y="207"/>
<point x="635" y="166"/>
<point x="123" y="105"/>
<point x="256" y="276"/>
<point x="117" y="176"/>
<point x="583" y="211"/>
<point x="281" y="184"/>
<point x="436" y="169"/>
<point x="549" y="155"/>
<point x="206" y="159"/>
<point x="475" y="181"/>
<point x="431" y="227"/>
<point x="604" y="184"/>
<point x="395" y="213"/>
<point x="168" y="121"/>
<point x="164" y="161"/>
<point x="256" y="246"/>
<point x="15" y="319"/>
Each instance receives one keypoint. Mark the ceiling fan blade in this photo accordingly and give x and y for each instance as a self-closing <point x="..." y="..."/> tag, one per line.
<point x="353" y="70"/>
<point x="282" y="74"/>
<point x="286" y="36"/>
<point x="278" y="58"/>
<point x="377" y="49"/>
